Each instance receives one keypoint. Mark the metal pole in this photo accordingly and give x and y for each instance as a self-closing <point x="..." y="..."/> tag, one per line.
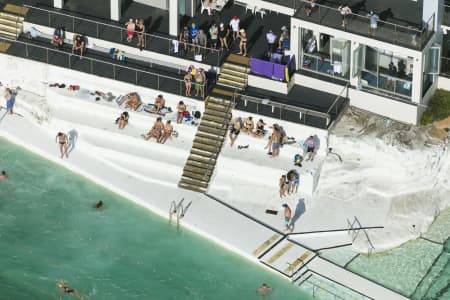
<point x="114" y="71"/>
<point x="49" y="20"/>
<point x="97" y="29"/>
<point x="70" y="63"/>
<point x="73" y="24"/>
<point x="26" y="50"/>
<point x="136" y="77"/>
<point x="92" y="67"/>
<point x="47" y="54"/>
<point x="121" y="36"/>
<point x="158" y="83"/>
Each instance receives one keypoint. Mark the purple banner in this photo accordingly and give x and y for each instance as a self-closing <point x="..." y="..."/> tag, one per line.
<point x="272" y="70"/>
<point x="261" y="67"/>
<point x="278" y="72"/>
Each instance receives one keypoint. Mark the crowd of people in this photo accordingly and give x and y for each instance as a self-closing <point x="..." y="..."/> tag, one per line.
<point x="289" y="183"/>
<point x="247" y="126"/>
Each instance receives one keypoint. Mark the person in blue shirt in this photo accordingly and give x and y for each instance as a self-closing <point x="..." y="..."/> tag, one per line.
<point x="373" y="22"/>
<point x="193" y="31"/>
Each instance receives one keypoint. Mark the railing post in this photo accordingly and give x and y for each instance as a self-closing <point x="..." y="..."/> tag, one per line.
<point x="47" y="55"/>
<point x="70" y="61"/>
<point x="121" y="36"/>
<point x="114" y="71"/>
<point x="136" y="77"/>
<point x="73" y="24"/>
<point x="49" y="20"/>
<point x="26" y="50"/>
<point x="91" y="64"/>
<point x="158" y="83"/>
<point x="97" y="29"/>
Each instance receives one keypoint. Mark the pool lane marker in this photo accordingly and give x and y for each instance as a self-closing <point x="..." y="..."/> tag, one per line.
<point x="266" y="244"/>
<point x="296" y="262"/>
<point x="280" y="253"/>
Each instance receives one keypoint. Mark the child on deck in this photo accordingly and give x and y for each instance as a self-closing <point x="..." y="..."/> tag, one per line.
<point x="310" y="148"/>
<point x="283" y="186"/>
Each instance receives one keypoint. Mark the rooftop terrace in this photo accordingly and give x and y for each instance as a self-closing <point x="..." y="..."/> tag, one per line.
<point x="407" y="33"/>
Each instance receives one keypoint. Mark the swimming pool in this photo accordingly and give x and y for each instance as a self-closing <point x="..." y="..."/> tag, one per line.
<point x="49" y="232"/>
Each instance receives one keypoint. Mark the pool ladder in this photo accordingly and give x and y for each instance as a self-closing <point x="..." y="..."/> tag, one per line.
<point x="178" y="210"/>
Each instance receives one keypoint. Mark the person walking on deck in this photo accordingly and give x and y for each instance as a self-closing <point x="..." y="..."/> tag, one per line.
<point x="9" y="97"/>
<point x="287" y="216"/>
<point x="235" y="129"/>
<point x="63" y="141"/>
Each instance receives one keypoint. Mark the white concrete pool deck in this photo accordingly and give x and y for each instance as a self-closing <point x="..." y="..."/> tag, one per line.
<point x="147" y="173"/>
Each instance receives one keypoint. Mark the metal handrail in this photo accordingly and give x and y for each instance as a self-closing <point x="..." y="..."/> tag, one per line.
<point x="116" y="27"/>
<point x="284" y="106"/>
<point x="95" y="60"/>
<point x="365" y="17"/>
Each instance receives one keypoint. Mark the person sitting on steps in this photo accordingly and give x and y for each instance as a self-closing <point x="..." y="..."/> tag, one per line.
<point x="78" y="44"/>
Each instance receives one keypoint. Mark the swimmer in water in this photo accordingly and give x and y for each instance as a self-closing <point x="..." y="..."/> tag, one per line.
<point x="3" y="175"/>
<point x="264" y="289"/>
<point x="65" y="289"/>
<point x="99" y="204"/>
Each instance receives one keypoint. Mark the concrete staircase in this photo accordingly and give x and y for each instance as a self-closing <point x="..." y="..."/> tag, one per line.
<point x="208" y="141"/>
<point x="11" y="21"/>
<point x="234" y="72"/>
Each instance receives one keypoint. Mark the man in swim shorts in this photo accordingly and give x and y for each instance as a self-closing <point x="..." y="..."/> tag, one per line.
<point x="235" y="129"/>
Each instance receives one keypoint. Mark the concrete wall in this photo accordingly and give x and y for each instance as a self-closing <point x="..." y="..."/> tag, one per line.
<point x="444" y="83"/>
<point x="268" y="84"/>
<point x="163" y="4"/>
<point x="396" y="110"/>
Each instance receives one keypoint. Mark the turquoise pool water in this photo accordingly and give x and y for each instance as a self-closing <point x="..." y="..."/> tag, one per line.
<point x="49" y="232"/>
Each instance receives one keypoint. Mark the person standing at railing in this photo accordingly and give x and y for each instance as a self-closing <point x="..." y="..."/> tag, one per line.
<point x="140" y="34"/>
<point x="131" y="27"/>
<point x="193" y="32"/>
<point x="374" y="18"/>
<point x="223" y="36"/>
<point x="345" y="10"/>
<point x="234" y="24"/>
<point x="243" y="42"/>
<point x="271" y="39"/>
<point x="309" y="5"/>
<point x="202" y="41"/>
<point x="214" y="33"/>
<point x="185" y="37"/>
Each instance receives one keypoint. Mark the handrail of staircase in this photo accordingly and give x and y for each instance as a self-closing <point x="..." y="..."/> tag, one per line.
<point x="218" y="52"/>
<point x="94" y="60"/>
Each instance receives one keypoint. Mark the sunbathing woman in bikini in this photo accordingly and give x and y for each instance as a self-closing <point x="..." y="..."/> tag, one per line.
<point x="259" y="132"/>
<point x="63" y="141"/>
<point x="181" y="108"/>
<point x="159" y="104"/>
<point x="168" y="129"/>
<point x="156" y="130"/>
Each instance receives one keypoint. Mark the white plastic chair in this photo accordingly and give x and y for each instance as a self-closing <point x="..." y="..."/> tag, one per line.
<point x="207" y="8"/>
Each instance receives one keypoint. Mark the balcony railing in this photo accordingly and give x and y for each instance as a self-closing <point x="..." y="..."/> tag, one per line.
<point x="406" y="36"/>
<point x="99" y="67"/>
<point x="116" y="34"/>
<point x="445" y="67"/>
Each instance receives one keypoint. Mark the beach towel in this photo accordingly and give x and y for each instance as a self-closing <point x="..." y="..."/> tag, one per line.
<point x="148" y="108"/>
<point x="120" y="100"/>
